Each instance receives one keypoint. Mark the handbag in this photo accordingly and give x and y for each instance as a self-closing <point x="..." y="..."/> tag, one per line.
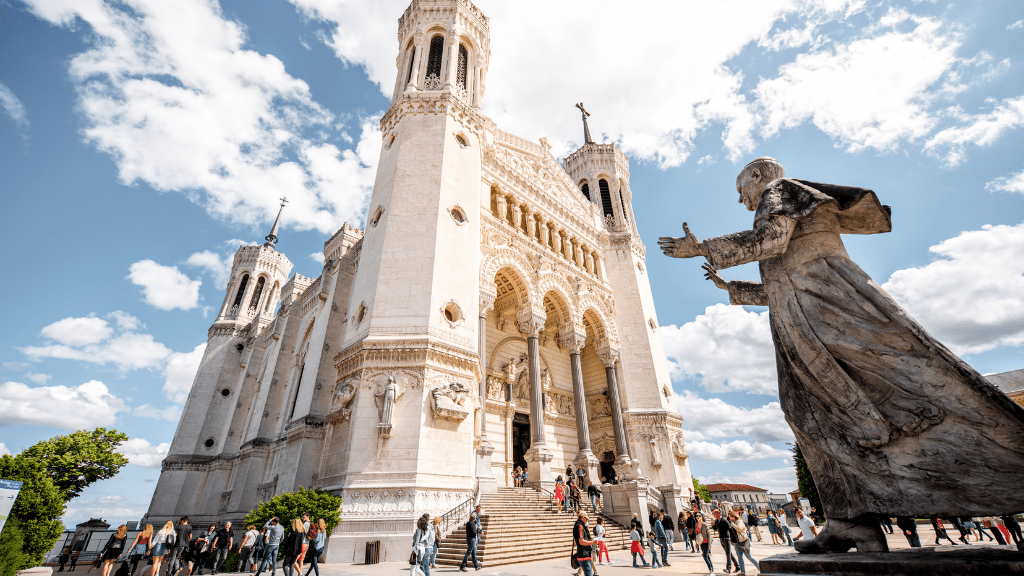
<point x="573" y="560"/>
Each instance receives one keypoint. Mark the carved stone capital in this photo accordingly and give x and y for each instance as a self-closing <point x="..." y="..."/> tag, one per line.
<point x="606" y="353"/>
<point x="487" y="299"/>
<point x="573" y="337"/>
<point x="531" y="320"/>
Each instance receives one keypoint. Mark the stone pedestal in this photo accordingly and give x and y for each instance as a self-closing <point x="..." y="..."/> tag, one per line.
<point x="485" y="479"/>
<point x="538" y="464"/>
<point x="623" y="500"/>
<point x="931" y="561"/>
<point x="589" y="462"/>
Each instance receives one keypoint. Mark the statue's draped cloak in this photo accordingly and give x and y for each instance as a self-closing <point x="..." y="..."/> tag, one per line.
<point x="889" y="420"/>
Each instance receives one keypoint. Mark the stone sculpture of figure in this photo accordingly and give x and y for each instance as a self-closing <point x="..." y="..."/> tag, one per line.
<point x="889" y="420"/>
<point x="344" y="394"/>
<point x="388" y="395"/>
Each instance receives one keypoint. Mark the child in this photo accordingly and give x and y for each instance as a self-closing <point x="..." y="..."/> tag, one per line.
<point x="602" y="547"/>
<point x="653" y="542"/>
<point x="635" y="547"/>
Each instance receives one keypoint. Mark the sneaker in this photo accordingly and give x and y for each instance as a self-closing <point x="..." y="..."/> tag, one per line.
<point x="463" y="569"/>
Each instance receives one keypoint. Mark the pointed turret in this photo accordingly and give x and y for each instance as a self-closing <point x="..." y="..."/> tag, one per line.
<point x="271" y="238"/>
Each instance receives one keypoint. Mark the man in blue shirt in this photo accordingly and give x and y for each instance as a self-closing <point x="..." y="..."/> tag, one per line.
<point x="659" y="533"/>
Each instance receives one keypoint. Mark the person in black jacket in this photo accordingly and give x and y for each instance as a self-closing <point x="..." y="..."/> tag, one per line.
<point x="670" y="529"/>
<point x="595" y="494"/>
<point x="725" y="538"/>
<point x="584" y="544"/>
<point x="909" y="527"/>
<point x="472" y="541"/>
<point x="691" y="524"/>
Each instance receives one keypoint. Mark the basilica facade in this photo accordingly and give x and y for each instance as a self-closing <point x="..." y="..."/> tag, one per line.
<point x="494" y="312"/>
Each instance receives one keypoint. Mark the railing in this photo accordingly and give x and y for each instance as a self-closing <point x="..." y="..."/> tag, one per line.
<point x="456" y="516"/>
<point x="623" y="539"/>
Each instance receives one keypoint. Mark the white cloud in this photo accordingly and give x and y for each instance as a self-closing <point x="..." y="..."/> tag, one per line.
<point x="972" y="297"/>
<point x="165" y="287"/>
<point x="141" y="453"/>
<point x="114" y="509"/>
<point x="38" y="378"/>
<point x="26" y="370"/>
<point x="775" y="480"/>
<point x="706" y="419"/>
<point x="736" y="450"/>
<point x="729" y="348"/>
<point x="170" y="414"/>
<point x="869" y="93"/>
<point x="4" y="451"/>
<point x="217" y="267"/>
<point x="170" y="91"/>
<point x="1016" y="25"/>
<point x="78" y="331"/>
<point x="181" y="372"/>
<point x="980" y="130"/>
<point x="86" y="406"/>
<point x="1013" y="183"/>
<point x="13" y="107"/>
<point x="318" y="256"/>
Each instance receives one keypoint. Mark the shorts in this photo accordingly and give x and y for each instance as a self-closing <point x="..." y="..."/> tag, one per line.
<point x="111" y="553"/>
<point x="159" y="550"/>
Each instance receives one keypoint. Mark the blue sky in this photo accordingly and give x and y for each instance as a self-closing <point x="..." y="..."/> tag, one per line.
<point x="142" y="141"/>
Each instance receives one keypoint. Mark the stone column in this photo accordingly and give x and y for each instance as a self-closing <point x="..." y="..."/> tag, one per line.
<point x="453" y="59"/>
<point x="414" y="82"/>
<point x="622" y="461"/>
<point x="538" y="457"/>
<point x="574" y="338"/>
<point x="484" y="475"/>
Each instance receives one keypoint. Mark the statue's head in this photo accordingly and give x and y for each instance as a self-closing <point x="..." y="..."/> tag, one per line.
<point x="754" y="177"/>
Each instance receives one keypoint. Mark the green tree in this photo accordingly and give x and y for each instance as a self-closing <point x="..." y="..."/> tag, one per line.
<point x="80" y="458"/>
<point x="291" y="505"/>
<point x="38" y="507"/>
<point x="806" y="482"/>
<point x="701" y="490"/>
<point x="12" y="544"/>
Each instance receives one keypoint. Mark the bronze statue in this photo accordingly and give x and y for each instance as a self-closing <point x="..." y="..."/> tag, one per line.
<point x="891" y="422"/>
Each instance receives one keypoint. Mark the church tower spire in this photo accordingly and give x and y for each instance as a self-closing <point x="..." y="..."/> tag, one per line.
<point x="586" y="129"/>
<point x="271" y="238"/>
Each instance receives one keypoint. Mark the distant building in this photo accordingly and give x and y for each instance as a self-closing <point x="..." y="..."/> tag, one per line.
<point x="738" y="494"/>
<point x="1011" y="384"/>
<point x="83" y="530"/>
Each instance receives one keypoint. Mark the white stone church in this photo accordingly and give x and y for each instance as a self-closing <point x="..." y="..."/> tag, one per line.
<point x="495" y="312"/>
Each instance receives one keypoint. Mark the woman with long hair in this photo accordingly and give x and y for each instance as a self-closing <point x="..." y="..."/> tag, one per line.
<point x="437" y="540"/>
<point x="292" y="548"/>
<point x="422" y="544"/>
<point x="163" y="540"/>
<point x="702" y="537"/>
<point x="742" y="544"/>
<point x="113" y="548"/>
<point x="559" y="493"/>
<point x="140" y="547"/>
<point x="316" y="535"/>
<point x="773" y="527"/>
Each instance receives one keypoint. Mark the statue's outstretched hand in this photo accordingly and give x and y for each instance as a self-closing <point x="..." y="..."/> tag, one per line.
<point x="712" y="274"/>
<point x="686" y="247"/>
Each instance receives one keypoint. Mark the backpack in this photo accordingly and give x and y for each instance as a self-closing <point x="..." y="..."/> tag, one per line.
<point x="311" y="533"/>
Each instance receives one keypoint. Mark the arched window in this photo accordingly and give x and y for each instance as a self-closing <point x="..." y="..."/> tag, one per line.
<point x="622" y="201"/>
<point x="463" y="65"/>
<point x="256" y="293"/>
<point x="585" y="188"/>
<point x="433" y="79"/>
<point x="606" y="198"/>
<point x="412" y="62"/>
<point x="241" y="291"/>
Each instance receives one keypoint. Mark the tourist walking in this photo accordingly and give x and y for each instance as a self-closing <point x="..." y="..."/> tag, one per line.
<point x="74" y="560"/>
<point x="652" y="542"/>
<point x="245" y="548"/>
<point x="63" y="559"/>
<point x="182" y="536"/>
<point x="197" y="551"/>
<point x="273" y="537"/>
<point x="422" y="544"/>
<point x="259" y="548"/>
<point x="1013" y="527"/>
<point x="670" y="529"/>
<point x="940" y="532"/>
<point x="702" y="538"/>
<point x="742" y="543"/>
<point x="753" y="521"/>
<point x="958" y="523"/>
<point x="595" y="494"/>
<point x="222" y="542"/>
<point x="162" y="541"/>
<point x="724" y="530"/>
<point x="316" y="536"/>
<point x="583" y="542"/>
<point x="602" y="546"/>
<point x="437" y="541"/>
<point x="691" y="524"/>
<point x="559" y="494"/>
<point x="472" y="540"/>
<point x="574" y="497"/>
<point x="659" y="533"/>
<point x="296" y="548"/>
<point x="635" y="547"/>
<point x="111" y="550"/>
<point x="784" y="531"/>
<point x="140" y="548"/>
<point x="979" y="526"/>
<point x="990" y="523"/>
<point x="683" y="530"/>
<point x="909" y="527"/>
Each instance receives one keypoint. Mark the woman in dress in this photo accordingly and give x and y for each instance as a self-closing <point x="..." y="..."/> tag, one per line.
<point x="114" y="547"/>
<point x="773" y="526"/>
<point x="140" y="548"/>
<point x="559" y="493"/>
<point x="163" y="540"/>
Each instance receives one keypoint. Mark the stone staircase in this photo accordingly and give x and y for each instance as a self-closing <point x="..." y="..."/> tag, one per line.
<point x="523" y="525"/>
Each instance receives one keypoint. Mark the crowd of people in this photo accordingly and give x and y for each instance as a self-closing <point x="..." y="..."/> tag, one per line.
<point x="181" y="550"/>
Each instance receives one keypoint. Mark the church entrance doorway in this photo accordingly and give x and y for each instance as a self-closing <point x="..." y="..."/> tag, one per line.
<point x="520" y="439"/>
<point x="607" y="471"/>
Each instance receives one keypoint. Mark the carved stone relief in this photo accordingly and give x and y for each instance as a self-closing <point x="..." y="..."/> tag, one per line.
<point x="447" y="402"/>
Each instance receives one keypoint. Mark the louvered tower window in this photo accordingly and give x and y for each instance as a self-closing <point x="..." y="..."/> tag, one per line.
<point x="255" y="300"/>
<point x="606" y="198"/>
<point x="622" y="201"/>
<point x="241" y="291"/>
<point x="463" y="64"/>
<point x="435" y="56"/>
<point x="412" y="62"/>
<point x="585" y="188"/>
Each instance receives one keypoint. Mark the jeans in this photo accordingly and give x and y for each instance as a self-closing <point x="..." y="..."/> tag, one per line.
<point x="172" y="560"/>
<point x="663" y="543"/>
<point x="913" y="539"/>
<point x="686" y="539"/>
<point x="670" y="535"/>
<point x="588" y="568"/>
<point x="219" y="557"/>
<point x="244" y="556"/>
<point x="730" y="556"/>
<point x="269" y="556"/>
<point x="471" y="552"/>
<point x="785" y="532"/>
<point x="740" y="551"/>
<point x="981" y="530"/>
<point x="705" y="550"/>
<point x="424" y="563"/>
<point x="655" y="562"/>
<point x="641" y="559"/>
<point x="433" y="554"/>
<point x="313" y="555"/>
<point x="593" y="502"/>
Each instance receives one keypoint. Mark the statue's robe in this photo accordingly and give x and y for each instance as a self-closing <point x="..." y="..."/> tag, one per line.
<point x="889" y="420"/>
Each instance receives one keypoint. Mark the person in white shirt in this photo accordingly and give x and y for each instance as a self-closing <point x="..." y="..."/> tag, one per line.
<point x="806" y="526"/>
<point x="245" y="547"/>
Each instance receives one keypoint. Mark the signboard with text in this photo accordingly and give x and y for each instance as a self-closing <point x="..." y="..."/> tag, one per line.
<point x="8" y="494"/>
